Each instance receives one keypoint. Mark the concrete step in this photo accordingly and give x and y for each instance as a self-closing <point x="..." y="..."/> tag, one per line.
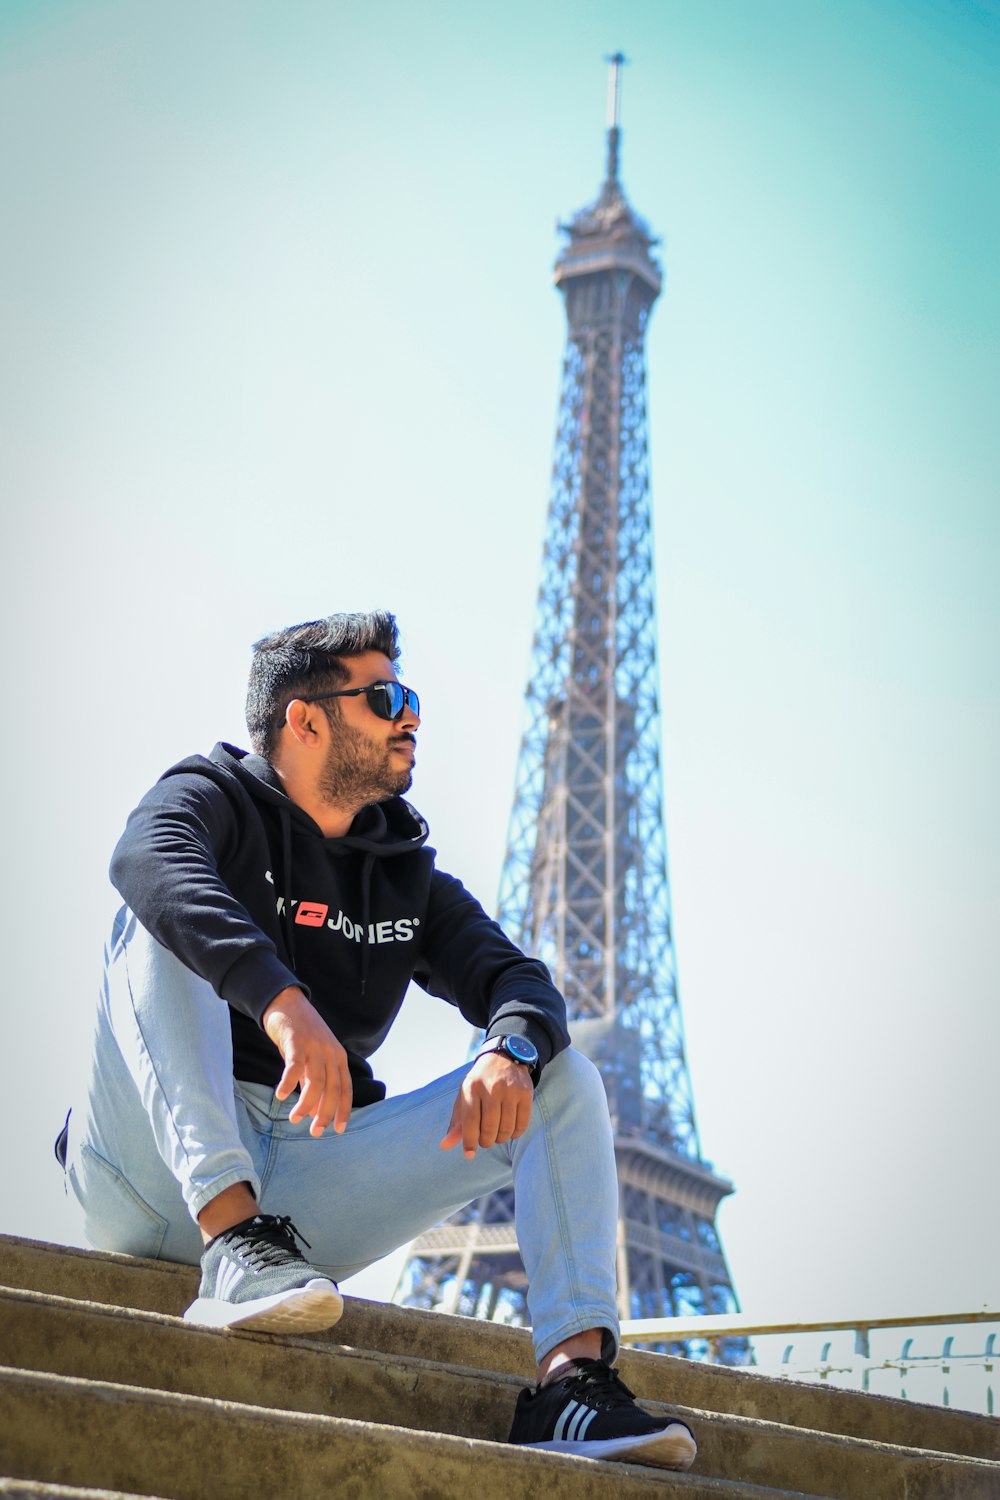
<point x="160" y="1286"/>
<point x="128" y="1439"/>
<point x="40" y="1489"/>
<point x="40" y="1332"/>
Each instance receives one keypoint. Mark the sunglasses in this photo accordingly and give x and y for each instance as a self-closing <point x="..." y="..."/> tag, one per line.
<point x="388" y="700"/>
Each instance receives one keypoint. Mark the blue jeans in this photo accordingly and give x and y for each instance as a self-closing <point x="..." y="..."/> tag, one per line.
<point x="164" y="1128"/>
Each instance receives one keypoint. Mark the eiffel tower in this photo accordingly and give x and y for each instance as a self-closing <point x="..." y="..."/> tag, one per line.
<point x="584" y="883"/>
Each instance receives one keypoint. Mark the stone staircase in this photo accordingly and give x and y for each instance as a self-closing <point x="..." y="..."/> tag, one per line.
<point x="104" y="1392"/>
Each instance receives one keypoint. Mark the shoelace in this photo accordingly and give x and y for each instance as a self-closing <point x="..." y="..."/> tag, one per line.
<point x="266" y="1240"/>
<point x="599" y="1385"/>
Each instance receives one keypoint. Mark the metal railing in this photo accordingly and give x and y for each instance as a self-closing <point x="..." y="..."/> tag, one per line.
<point x="943" y="1376"/>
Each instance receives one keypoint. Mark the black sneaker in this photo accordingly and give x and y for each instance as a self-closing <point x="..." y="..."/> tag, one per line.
<point x="252" y="1276"/>
<point x="593" y="1414"/>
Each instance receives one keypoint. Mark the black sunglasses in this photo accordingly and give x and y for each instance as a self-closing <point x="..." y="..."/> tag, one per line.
<point x="386" y="699"/>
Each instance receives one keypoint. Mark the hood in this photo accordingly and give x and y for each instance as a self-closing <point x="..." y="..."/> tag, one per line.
<point x="382" y="829"/>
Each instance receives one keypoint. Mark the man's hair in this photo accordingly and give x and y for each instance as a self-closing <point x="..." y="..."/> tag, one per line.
<point x="307" y="659"/>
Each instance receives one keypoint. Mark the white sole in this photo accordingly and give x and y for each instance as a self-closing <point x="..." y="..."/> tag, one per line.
<point x="673" y="1448"/>
<point x="303" y="1309"/>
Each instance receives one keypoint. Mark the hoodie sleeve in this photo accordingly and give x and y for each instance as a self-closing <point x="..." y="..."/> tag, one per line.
<point x="467" y="959"/>
<point x="166" y="867"/>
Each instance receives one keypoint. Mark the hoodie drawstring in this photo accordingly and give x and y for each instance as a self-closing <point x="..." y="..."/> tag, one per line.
<point x="288" y="921"/>
<point x="286" y="880"/>
<point x="366" y="890"/>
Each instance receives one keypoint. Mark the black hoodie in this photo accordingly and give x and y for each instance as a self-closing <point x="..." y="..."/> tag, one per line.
<point x="240" y="884"/>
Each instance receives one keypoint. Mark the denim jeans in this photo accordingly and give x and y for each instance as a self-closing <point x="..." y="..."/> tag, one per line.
<point x="164" y="1127"/>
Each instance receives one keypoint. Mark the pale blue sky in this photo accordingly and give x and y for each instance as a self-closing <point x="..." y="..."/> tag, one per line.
<point x="280" y="338"/>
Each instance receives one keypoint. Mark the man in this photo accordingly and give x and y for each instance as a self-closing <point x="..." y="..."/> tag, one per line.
<point x="277" y="905"/>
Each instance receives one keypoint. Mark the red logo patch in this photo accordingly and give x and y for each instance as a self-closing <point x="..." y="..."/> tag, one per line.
<point x="310" y="914"/>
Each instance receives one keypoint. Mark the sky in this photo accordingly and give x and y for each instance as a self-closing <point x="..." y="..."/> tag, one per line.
<point x="280" y="338"/>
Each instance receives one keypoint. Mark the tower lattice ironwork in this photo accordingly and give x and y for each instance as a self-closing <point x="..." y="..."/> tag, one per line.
<point x="584" y="883"/>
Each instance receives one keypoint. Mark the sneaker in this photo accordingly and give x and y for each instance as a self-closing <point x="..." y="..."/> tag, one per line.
<point x="252" y="1276"/>
<point x="593" y="1414"/>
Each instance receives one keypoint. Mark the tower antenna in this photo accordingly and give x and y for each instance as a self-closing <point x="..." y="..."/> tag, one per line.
<point x="615" y="64"/>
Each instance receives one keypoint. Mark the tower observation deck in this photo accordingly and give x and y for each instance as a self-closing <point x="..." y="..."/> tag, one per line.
<point x="584" y="884"/>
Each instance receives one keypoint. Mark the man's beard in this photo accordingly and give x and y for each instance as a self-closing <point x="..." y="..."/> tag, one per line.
<point x="359" y="771"/>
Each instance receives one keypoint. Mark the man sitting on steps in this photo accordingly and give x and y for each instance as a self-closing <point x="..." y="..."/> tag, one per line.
<point x="277" y="905"/>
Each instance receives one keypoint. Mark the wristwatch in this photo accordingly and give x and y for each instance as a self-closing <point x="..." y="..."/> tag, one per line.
<point x="519" y="1049"/>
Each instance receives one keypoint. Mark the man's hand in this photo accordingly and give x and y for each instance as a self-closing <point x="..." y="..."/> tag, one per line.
<point x="314" y="1060"/>
<point x="493" y="1105"/>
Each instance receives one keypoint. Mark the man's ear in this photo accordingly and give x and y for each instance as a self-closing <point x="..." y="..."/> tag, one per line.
<point x="303" y="722"/>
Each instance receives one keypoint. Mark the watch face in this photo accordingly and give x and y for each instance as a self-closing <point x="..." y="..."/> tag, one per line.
<point x="522" y="1050"/>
